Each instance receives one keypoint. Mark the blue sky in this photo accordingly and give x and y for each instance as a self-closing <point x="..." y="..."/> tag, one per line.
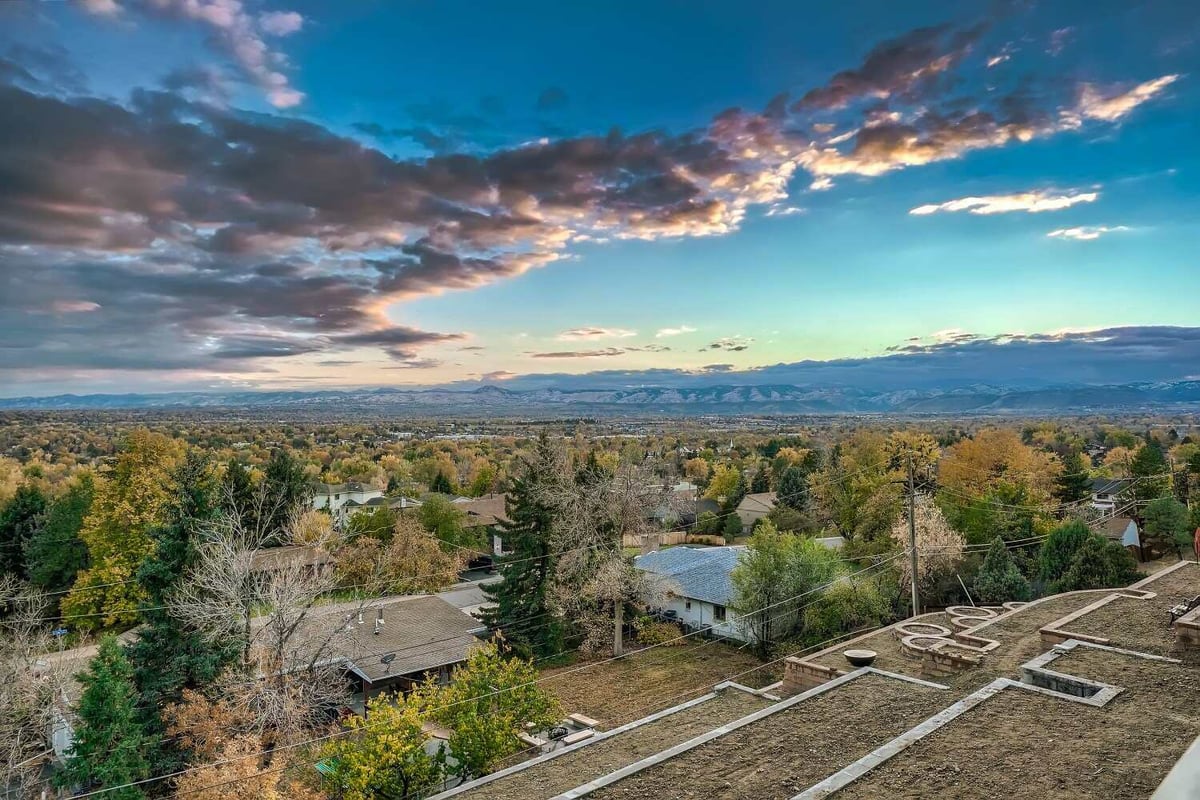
<point x="216" y="193"/>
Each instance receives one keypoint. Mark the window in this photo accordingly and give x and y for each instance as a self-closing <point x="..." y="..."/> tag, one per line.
<point x="719" y="613"/>
<point x="687" y="605"/>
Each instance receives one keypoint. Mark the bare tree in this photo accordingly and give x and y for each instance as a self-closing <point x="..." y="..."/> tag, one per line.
<point x="291" y="674"/>
<point x="32" y="681"/>
<point x="594" y="512"/>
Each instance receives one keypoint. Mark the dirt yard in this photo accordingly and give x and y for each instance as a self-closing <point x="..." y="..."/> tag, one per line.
<point x="1039" y="746"/>
<point x="640" y="684"/>
<point x="783" y="754"/>
<point x="1143" y="624"/>
<point x="568" y="771"/>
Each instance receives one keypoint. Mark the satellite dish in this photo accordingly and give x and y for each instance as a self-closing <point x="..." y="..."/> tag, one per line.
<point x="389" y="658"/>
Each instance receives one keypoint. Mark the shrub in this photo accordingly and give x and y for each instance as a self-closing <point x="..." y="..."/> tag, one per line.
<point x="1059" y="549"/>
<point x="655" y="632"/>
<point x="844" y="607"/>
<point x="1098" y="564"/>
<point x="732" y="527"/>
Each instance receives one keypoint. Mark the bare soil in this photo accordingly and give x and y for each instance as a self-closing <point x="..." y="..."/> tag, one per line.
<point x="580" y="766"/>
<point x="638" y="685"/>
<point x="1143" y="624"/>
<point x="785" y="753"/>
<point x="1026" y="746"/>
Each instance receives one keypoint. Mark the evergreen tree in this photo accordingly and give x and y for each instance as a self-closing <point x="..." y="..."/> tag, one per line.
<point x="1166" y="525"/>
<point x="522" y="609"/>
<point x="56" y="554"/>
<point x="237" y="494"/>
<point x="732" y="527"/>
<point x="761" y="482"/>
<point x="793" y="489"/>
<point x="287" y="488"/>
<point x="737" y="494"/>
<point x="1098" y="564"/>
<point x="1074" y="483"/>
<point x="169" y="656"/>
<point x="18" y="522"/>
<point x="110" y="744"/>
<point x="1149" y="467"/>
<point x="441" y="484"/>
<point x="999" y="580"/>
<point x="1059" y="549"/>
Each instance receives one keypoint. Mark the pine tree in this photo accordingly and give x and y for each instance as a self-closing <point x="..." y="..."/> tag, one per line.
<point x="793" y="489"/>
<point x="1098" y="564"/>
<point x="731" y="528"/>
<point x="999" y="580"/>
<point x="1074" y="483"/>
<point x="18" y="522"/>
<point x="522" y="611"/>
<point x="110" y="745"/>
<point x="237" y="494"/>
<point x="56" y="554"/>
<point x="1149" y="466"/>
<point x="441" y="484"/>
<point x="168" y="655"/>
<point x="287" y="489"/>
<point x="761" y="482"/>
<point x="1059" y="549"/>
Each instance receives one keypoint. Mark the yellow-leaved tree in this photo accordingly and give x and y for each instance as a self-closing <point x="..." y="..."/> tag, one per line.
<point x="130" y="500"/>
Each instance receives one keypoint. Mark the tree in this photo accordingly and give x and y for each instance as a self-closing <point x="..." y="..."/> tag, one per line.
<point x="288" y="489"/>
<point x="238" y="495"/>
<point x="999" y="580"/>
<point x="1098" y="564"/>
<point x="761" y="482"/>
<point x="731" y="528"/>
<point x="793" y="489"/>
<point x="972" y="467"/>
<point x="55" y="554"/>
<point x="167" y="656"/>
<point x="522" y="609"/>
<point x="130" y="500"/>
<point x="1166" y="525"/>
<point x="844" y="607"/>
<point x="441" y="484"/>
<point x="18" y="523"/>
<point x="377" y="523"/>
<point x="109" y="743"/>
<point x="409" y="561"/>
<point x="30" y="696"/>
<point x="385" y="754"/>
<point x="489" y="700"/>
<point x="939" y="549"/>
<point x="445" y="521"/>
<point x="1058" y="551"/>
<point x="857" y="493"/>
<point x="1149" y="469"/>
<point x="1073" y="484"/>
<point x="772" y="579"/>
<point x="724" y="486"/>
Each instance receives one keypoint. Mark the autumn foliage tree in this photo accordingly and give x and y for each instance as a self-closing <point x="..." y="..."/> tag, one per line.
<point x="130" y="500"/>
<point x="939" y="549"/>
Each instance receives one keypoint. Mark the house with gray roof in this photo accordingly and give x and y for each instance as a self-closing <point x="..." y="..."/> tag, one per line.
<point x="702" y="587"/>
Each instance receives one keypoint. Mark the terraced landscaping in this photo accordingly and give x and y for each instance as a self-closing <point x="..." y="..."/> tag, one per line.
<point x="563" y="772"/>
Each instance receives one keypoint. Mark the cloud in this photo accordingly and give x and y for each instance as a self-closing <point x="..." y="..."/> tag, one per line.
<point x="906" y="65"/>
<point x="584" y="334"/>
<point x="1086" y="232"/>
<point x="238" y="34"/>
<point x="732" y="344"/>
<point x="1033" y="202"/>
<point x="498" y="375"/>
<point x="606" y="352"/>
<point x="1115" y="105"/>
<point x="682" y="329"/>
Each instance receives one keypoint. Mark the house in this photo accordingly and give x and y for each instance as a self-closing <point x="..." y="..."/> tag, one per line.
<point x="753" y="508"/>
<point x="702" y="587"/>
<point x="487" y="512"/>
<point x="277" y="559"/>
<point x="1124" y="531"/>
<point x="393" y="643"/>
<point x="1107" y="492"/>
<point x="332" y="496"/>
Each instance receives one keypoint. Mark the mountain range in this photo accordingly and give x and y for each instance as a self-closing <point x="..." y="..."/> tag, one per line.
<point x="650" y="400"/>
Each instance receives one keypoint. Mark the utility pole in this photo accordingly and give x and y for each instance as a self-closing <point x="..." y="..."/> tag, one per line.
<point x="912" y="538"/>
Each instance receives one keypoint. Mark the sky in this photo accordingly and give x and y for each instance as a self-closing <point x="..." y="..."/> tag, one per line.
<point x="296" y="193"/>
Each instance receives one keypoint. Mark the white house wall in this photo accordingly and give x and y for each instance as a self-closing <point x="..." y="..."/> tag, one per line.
<point x="701" y="615"/>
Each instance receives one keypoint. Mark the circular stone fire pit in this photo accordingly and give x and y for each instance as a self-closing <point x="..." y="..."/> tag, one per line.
<point x="860" y="658"/>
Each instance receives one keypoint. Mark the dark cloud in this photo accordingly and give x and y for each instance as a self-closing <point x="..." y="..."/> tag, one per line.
<point x="730" y="344"/>
<point x="552" y="99"/>
<point x="908" y="65"/>
<point x="601" y="353"/>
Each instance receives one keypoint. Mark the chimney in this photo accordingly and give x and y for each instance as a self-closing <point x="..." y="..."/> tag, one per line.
<point x="379" y="622"/>
<point x="360" y="618"/>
